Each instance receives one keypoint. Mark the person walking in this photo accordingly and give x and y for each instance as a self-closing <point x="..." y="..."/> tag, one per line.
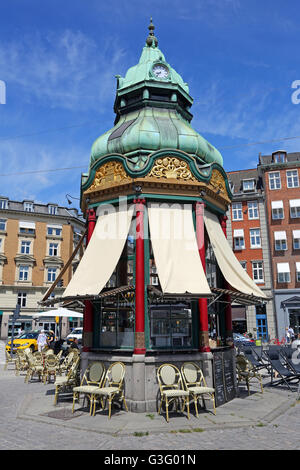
<point x="41" y="340"/>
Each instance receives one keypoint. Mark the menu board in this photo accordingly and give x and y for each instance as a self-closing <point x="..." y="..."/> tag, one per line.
<point x="224" y="379"/>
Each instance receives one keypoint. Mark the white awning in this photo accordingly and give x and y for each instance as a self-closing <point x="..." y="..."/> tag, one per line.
<point x="280" y="235"/>
<point x="231" y="268"/>
<point x="277" y="204"/>
<point x="102" y="253"/>
<point x="295" y="203"/>
<point x="175" y="250"/>
<point x="238" y="233"/>
<point x="25" y="224"/>
<point x="283" y="268"/>
<point x="54" y="226"/>
<point x="59" y="312"/>
<point x="297" y="266"/>
<point x="296" y="234"/>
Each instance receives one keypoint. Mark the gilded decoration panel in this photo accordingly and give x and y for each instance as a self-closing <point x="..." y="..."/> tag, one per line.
<point x="171" y="168"/>
<point x="109" y="174"/>
<point x="218" y="184"/>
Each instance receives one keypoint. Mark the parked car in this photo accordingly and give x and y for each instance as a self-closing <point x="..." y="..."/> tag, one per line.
<point x="24" y="341"/>
<point x="76" y="333"/>
<point x="238" y="338"/>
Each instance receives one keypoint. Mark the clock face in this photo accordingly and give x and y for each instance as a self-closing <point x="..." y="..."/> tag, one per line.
<point x="160" y="71"/>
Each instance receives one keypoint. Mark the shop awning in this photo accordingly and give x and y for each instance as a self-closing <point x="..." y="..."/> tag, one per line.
<point x="277" y="204"/>
<point x="280" y="235"/>
<point x="102" y="253"/>
<point x="283" y="268"/>
<point x="231" y="269"/>
<point x="175" y="250"/>
<point x="238" y="233"/>
<point x="295" y="203"/>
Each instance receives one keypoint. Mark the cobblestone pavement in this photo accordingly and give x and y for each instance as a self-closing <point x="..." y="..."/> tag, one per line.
<point x="25" y="426"/>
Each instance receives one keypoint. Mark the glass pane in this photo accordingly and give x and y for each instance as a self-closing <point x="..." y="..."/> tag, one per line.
<point x="108" y="333"/>
<point x="126" y="328"/>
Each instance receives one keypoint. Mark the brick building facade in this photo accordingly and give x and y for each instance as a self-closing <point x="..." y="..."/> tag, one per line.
<point x="36" y="240"/>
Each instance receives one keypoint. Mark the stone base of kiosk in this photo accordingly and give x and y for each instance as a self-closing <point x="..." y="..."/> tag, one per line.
<point x="141" y="386"/>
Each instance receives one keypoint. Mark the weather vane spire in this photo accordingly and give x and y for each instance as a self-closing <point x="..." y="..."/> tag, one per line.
<point x="151" y="39"/>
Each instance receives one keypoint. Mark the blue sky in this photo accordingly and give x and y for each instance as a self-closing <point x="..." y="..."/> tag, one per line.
<point x="59" y="61"/>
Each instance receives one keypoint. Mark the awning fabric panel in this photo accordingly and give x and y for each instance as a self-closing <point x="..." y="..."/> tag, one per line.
<point x="232" y="270"/>
<point x="280" y="235"/>
<point x="277" y="204"/>
<point x="283" y="268"/>
<point x="102" y="253"/>
<point x="175" y="250"/>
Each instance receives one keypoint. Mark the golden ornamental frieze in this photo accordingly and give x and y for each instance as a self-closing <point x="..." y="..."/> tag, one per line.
<point x="217" y="181"/>
<point x="171" y="168"/>
<point x="109" y="174"/>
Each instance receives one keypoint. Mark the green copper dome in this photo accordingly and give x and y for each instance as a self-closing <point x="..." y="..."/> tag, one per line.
<point x="152" y="109"/>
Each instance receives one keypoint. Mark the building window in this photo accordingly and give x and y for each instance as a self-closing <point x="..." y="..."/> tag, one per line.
<point x="253" y="210"/>
<point x="295" y="208"/>
<point x="280" y="241"/>
<point x="297" y="272"/>
<point x="248" y="185"/>
<point x="274" y="180"/>
<point x="292" y="180"/>
<point x="239" y="243"/>
<point x="277" y="210"/>
<point x="283" y="272"/>
<point x="23" y="273"/>
<point x="3" y="224"/>
<point x="244" y="265"/>
<point x="3" y="203"/>
<point x="28" y="207"/>
<point x="53" y="249"/>
<point x="153" y="276"/>
<point x="25" y="247"/>
<point x="255" y="241"/>
<point x="257" y="271"/>
<point x="279" y="157"/>
<point x="51" y="274"/>
<point x="52" y="210"/>
<point x="22" y="297"/>
<point x="52" y="230"/>
<point x="237" y="213"/>
<point x="296" y="239"/>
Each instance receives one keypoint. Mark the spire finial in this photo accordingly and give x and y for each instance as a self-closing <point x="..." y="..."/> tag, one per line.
<point x="151" y="39"/>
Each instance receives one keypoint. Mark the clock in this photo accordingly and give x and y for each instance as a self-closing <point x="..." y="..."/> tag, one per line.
<point x="160" y="71"/>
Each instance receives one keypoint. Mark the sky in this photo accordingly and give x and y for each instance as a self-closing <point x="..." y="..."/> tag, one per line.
<point x="58" y="62"/>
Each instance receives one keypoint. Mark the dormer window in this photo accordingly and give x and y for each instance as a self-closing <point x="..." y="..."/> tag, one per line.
<point x="52" y="209"/>
<point x="3" y="203"/>
<point x="28" y="207"/>
<point x="279" y="157"/>
<point x="249" y="185"/>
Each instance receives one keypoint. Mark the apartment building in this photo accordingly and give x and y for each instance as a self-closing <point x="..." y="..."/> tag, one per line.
<point x="280" y="175"/>
<point x="36" y="240"/>
<point x="247" y="232"/>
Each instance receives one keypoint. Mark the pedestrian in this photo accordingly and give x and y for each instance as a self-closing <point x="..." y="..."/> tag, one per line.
<point x="51" y="339"/>
<point x="74" y="344"/>
<point x="291" y="332"/>
<point x="41" y="340"/>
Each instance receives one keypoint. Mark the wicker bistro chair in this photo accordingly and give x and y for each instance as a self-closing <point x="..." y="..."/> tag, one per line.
<point x="9" y="360"/>
<point x="246" y="372"/>
<point x="195" y="384"/>
<point x="51" y="368"/>
<point x="21" y="362"/>
<point x="92" y="379"/>
<point x="35" y="366"/>
<point x="68" y="381"/>
<point x="171" y="388"/>
<point x="113" y="387"/>
<point x="68" y="361"/>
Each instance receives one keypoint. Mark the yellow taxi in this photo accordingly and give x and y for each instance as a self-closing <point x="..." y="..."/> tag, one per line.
<point x="24" y="341"/>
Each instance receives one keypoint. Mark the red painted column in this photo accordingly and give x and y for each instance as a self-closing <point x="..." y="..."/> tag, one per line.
<point x="228" y="312"/>
<point x="88" y="310"/>
<point x="139" y="337"/>
<point x="202" y="303"/>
